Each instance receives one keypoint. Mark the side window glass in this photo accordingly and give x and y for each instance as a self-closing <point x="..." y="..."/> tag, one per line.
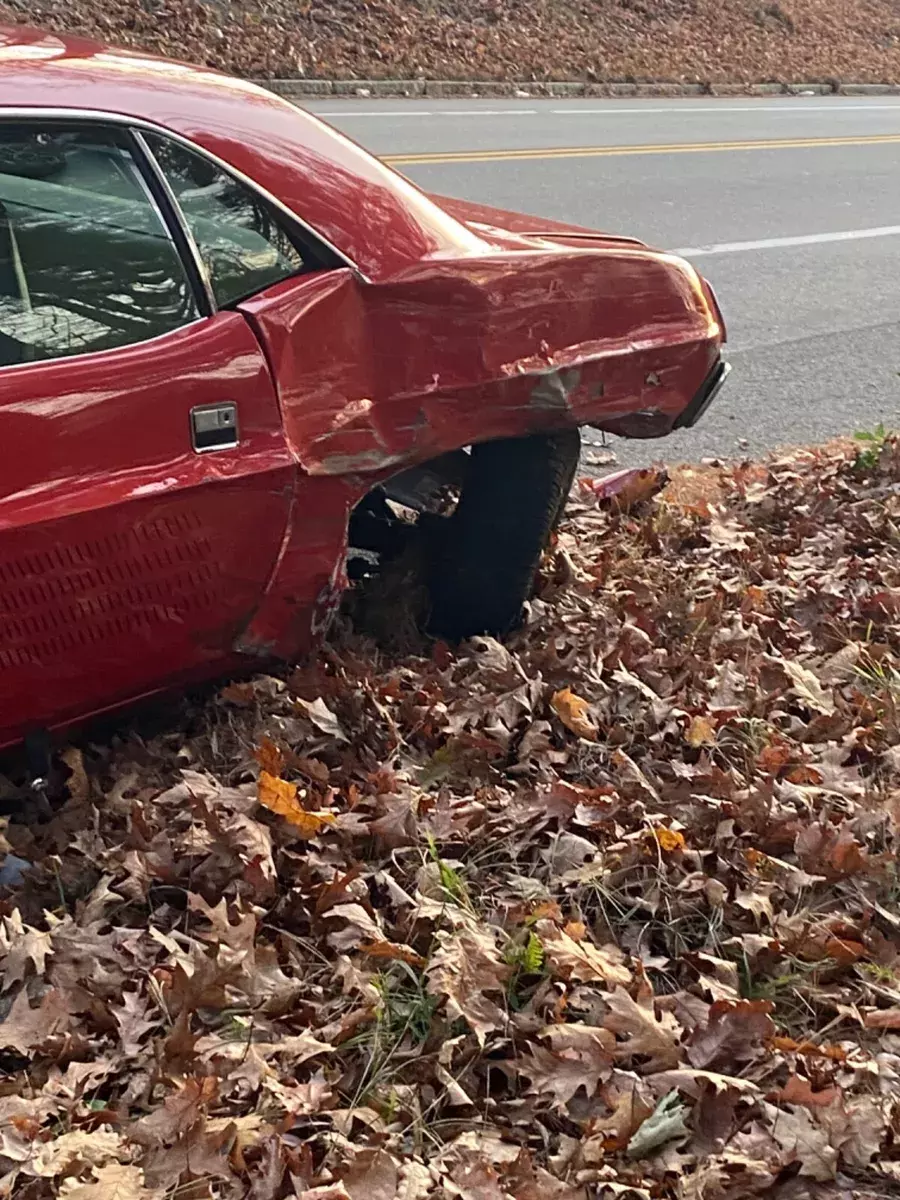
<point x="241" y="242"/>
<point x="86" y="262"/>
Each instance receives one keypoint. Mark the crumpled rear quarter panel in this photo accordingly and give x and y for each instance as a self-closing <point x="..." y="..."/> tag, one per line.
<point x="376" y="376"/>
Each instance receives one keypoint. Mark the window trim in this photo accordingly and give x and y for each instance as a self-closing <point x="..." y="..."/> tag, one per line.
<point x="288" y="228"/>
<point x="170" y="214"/>
<point x="97" y="116"/>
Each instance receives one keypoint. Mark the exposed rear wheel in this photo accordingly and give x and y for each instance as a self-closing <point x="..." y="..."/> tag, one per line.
<point x="486" y="560"/>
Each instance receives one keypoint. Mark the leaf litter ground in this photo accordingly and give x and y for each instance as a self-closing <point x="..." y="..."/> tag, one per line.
<point x="608" y="911"/>
<point x="597" y="40"/>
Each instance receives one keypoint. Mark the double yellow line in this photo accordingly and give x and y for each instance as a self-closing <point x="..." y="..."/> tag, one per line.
<point x="475" y="156"/>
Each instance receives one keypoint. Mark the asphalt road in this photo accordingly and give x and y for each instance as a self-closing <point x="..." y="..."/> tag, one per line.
<point x="790" y="207"/>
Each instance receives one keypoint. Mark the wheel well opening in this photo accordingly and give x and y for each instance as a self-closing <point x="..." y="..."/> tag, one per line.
<point x="394" y="536"/>
<point x="454" y="546"/>
<point x="404" y="508"/>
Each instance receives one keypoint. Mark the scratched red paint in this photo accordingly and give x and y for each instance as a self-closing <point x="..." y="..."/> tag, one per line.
<point x="128" y="563"/>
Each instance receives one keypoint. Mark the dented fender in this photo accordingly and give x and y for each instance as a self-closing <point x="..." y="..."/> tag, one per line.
<point x="374" y="377"/>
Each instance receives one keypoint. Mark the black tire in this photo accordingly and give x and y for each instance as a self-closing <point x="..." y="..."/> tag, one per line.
<point x="484" y="568"/>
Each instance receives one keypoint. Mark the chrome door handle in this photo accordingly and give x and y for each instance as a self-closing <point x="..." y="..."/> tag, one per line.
<point x="214" y="427"/>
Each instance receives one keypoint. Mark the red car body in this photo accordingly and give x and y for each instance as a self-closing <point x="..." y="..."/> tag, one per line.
<point x="129" y="562"/>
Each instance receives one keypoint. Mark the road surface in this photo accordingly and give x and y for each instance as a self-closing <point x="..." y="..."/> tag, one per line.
<point x="790" y="206"/>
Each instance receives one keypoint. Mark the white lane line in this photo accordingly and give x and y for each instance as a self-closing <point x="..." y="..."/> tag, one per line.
<point x="810" y="239"/>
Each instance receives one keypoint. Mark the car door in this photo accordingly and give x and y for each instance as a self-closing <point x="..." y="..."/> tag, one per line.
<point x="145" y="482"/>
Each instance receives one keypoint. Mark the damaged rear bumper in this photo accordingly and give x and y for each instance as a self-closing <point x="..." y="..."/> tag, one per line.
<point x="659" y="422"/>
<point x="712" y="385"/>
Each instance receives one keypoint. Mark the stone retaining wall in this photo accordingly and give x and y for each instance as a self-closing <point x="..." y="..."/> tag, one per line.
<point x="296" y="88"/>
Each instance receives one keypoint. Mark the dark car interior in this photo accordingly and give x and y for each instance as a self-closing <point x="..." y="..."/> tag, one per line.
<point x="85" y="260"/>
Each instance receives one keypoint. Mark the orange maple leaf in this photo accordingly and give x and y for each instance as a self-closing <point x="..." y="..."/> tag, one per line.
<point x="393" y="950"/>
<point x="573" y="711"/>
<point x="700" y="732"/>
<point x="280" y="796"/>
<point x="668" y="840"/>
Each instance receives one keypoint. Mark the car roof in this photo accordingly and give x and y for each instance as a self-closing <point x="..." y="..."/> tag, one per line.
<point x="377" y="219"/>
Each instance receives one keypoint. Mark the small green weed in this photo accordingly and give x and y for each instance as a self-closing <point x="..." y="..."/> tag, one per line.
<point x="881" y="682"/>
<point x="527" y="960"/>
<point x="867" y="459"/>
<point x="452" y="883"/>
<point x="879" y="973"/>
<point x="406" y="1007"/>
<point x="404" y="1018"/>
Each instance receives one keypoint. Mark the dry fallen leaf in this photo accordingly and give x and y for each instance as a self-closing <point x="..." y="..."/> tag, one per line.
<point x="693" y="1082"/>
<point x="269" y="756"/>
<point x="78" y="784"/>
<point x="651" y="1040"/>
<point x="322" y="717"/>
<point x="381" y="949"/>
<point x="580" y="960"/>
<point x="75" y="1150"/>
<point x="798" y="1090"/>
<point x="883" y="1018"/>
<point x="180" y="1112"/>
<point x="701" y="732"/>
<point x="806" y="1143"/>
<point x="574" y="713"/>
<point x="26" y="1028"/>
<point x="554" y="935"/>
<point x="243" y="694"/>
<point x="373" y="1175"/>
<point x="115" y="1181"/>
<point x="628" y="1111"/>
<point x="857" y="1126"/>
<point x="668" y="840"/>
<point x="23" y="950"/>
<point x="469" y="973"/>
<point x="280" y="796"/>
<point x="808" y="688"/>
<point x="135" y="1017"/>
<point x="734" y="1032"/>
<point x="580" y="1056"/>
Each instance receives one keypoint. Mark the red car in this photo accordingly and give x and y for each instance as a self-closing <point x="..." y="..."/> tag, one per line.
<point x="228" y="336"/>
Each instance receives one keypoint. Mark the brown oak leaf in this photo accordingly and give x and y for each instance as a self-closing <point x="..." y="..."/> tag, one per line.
<point x="581" y="960"/>
<point x="804" y="1142"/>
<point x="135" y="1017"/>
<point x="857" y="1126"/>
<point x="734" y="1032"/>
<point x="22" y="949"/>
<point x="27" y="1028"/>
<point x="78" y="1148"/>
<point x="464" y="969"/>
<point x="651" y="1039"/>
<point x="114" y="1181"/>
<point x="180" y="1112"/>
<point x="580" y="1057"/>
<point x="629" y="1109"/>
